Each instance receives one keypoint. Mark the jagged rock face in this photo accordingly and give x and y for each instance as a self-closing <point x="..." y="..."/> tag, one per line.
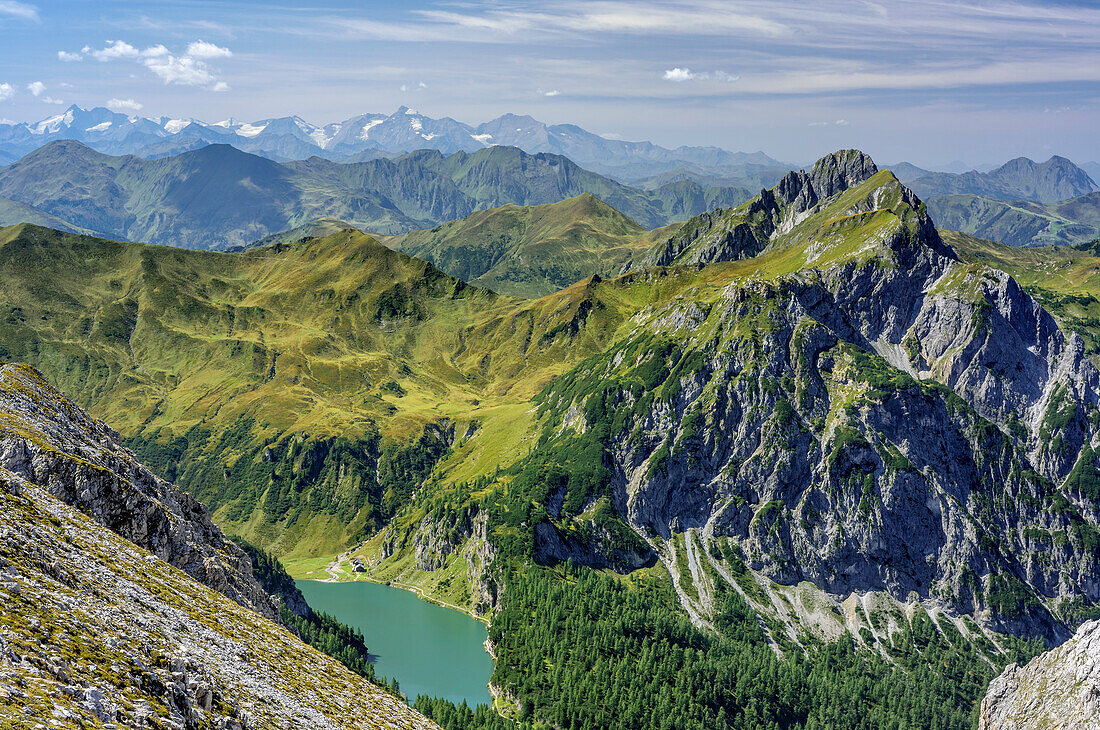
<point x="740" y="233"/>
<point x="436" y="539"/>
<point x="1059" y="689"/>
<point x="97" y="632"/>
<point x="47" y="440"/>
<point x="884" y="418"/>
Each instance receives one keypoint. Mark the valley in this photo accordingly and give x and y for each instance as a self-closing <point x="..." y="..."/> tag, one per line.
<point x="810" y="440"/>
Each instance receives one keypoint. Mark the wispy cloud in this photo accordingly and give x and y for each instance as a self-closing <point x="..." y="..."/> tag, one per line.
<point x="18" y="10"/>
<point x="7" y="91"/>
<point x="125" y="105"/>
<point x="686" y="74"/>
<point x="68" y="57"/>
<point x="36" y="88"/>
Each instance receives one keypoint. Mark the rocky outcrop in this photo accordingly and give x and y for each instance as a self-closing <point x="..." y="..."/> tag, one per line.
<point x="747" y="231"/>
<point x="1058" y="690"/>
<point x="883" y="418"/>
<point x="465" y="534"/>
<point x="49" y="441"/>
<point x="97" y="632"/>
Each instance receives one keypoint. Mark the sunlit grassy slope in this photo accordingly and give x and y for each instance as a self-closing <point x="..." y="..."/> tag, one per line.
<point x="291" y="386"/>
<point x="532" y="251"/>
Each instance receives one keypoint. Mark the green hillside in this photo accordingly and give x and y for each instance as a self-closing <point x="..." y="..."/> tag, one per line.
<point x="531" y="251"/>
<point x="218" y="197"/>
<point x="1070" y="222"/>
<point x="800" y="454"/>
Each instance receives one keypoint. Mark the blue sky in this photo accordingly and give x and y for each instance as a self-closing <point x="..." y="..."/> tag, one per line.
<point x="928" y="82"/>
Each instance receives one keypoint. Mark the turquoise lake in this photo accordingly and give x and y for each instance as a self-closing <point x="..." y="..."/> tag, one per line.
<point x="429" y="649"/>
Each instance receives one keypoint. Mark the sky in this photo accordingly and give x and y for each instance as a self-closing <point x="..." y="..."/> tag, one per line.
<point x="927" y="82"/>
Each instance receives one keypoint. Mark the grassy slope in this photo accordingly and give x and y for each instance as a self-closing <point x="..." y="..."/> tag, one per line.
<point x="1070" y="222"/>
<point x="13" y="212"/>
<point x="532" y="251"/>
<point x="217" y="196"/>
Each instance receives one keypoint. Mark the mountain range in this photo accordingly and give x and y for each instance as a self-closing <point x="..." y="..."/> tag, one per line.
<point x="366" y="136"/>
<point x="1020" y="223"/>
<point x="218" y="196"/>
<point x="809" y="425"/>
<point x="1052" y="181"/>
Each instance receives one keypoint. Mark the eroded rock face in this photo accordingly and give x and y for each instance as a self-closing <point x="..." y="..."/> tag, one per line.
<point x="726" y="235"/>
<point x="1059" y="689"/>
<point x="49" y="441"/>
<point x="883" y="418"/>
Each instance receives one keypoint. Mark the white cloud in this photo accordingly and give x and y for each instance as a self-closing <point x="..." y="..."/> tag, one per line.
<point x="36" y="88"/>
<point x="182" y="70"/>
<point x="551" y="92"/>
<point x="204" y="50"/>
<point x="841" y="122"/>
<point x="187" y="69"/>
<point x="67" y="57"/>
<point x="51" y="100"/>
<point x="18" y="10"/>
<point x="114" y="50"/>
<point x="124" y="105"/>
<point x="6" y="91"/>
<point x="680" y="75"/>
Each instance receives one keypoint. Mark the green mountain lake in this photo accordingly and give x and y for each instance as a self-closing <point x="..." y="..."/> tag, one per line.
<point x="429" y="649"/>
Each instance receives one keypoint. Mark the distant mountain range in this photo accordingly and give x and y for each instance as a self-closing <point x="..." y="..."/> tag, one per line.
<point x="218" y="196"/>
<point x="1019" y="179"/>
<point x="1020" y="223"/>
<point x="368" y="136"/>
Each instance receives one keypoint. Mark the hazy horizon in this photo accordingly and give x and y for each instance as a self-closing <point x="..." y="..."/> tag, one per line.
<point x="928" y="83"/>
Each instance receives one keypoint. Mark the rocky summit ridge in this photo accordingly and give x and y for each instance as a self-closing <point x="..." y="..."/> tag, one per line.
<point x="860" y="411"/>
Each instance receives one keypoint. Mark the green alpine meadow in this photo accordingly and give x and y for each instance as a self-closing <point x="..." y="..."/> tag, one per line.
<point x="652" y="366"/>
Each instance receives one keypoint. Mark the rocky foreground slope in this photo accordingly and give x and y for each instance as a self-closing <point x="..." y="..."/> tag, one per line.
<point x="1059" y="689"/>
<point x="97" y="630"/>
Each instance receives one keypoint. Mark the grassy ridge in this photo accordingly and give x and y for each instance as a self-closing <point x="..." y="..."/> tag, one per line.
<point x="532" y="251"/>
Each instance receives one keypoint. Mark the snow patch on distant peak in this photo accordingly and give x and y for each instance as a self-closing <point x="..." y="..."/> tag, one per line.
<point x="173" y="126"/>
<point x="53" y="124"/>
<point x="411" y="111"/>
<point x="368" y="126"/>
<point x="251" y="130"/>
<point x="321" y="138"/>
<point x="485" y="139"/>
<point x="416" y="124"/>
<point x="101" y="127"/>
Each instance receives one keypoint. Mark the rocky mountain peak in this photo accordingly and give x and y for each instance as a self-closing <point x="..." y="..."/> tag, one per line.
<point x="841" y="170"/>
<point x="836" y="195"/>
<point x="831" y="175"/>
